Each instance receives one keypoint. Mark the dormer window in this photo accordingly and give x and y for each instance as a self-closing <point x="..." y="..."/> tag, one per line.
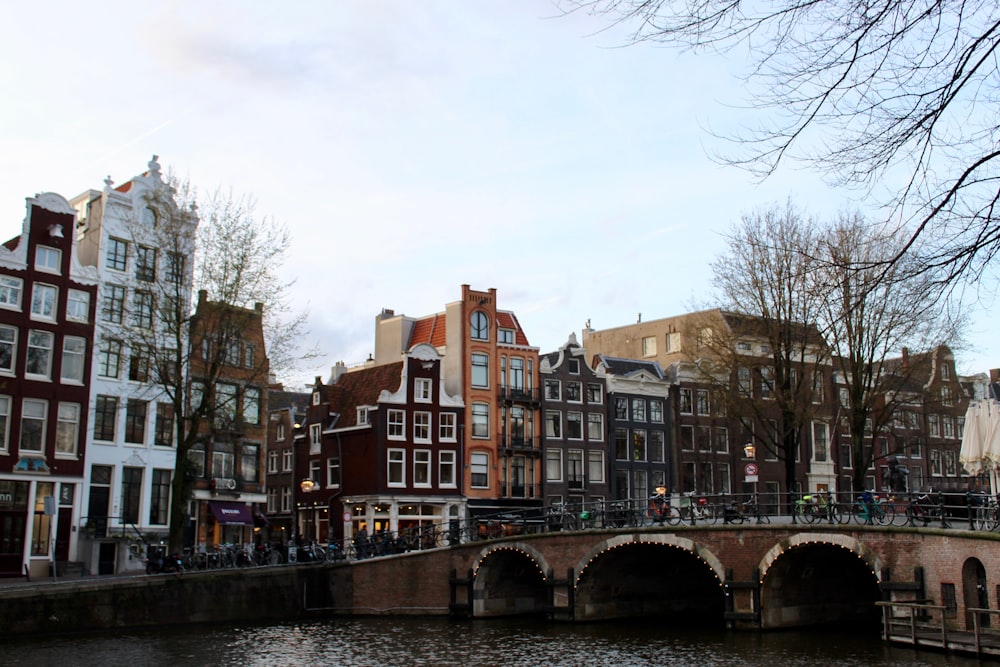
<point x="363" y="417"/>
<point x="506" y="336"/>
<point x="422" y="390"/>
<point x="315" y="398"/>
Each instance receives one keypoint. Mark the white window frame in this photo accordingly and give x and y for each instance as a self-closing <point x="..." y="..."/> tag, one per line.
<point x="553" y="465"/>
<point x="577" y="418"/>
<point x="68" y="424"/>
<point x="286" y="460"/>
<point x="595" y="466"/>
<point x="595" y="421"/>
<point x="43" y="418"/>
<point x="11" y="344"/>
<point x="48" y="259"/>
<point x="396" y="424"/>
<point x="79" y="355"/>
<point x="480" y="369"/>
<point x="447" y="469"/>
<point x="479" y="461"/>
<point x="481" y="419"/>
<point x="422" y="460"/>
<point x="422" y="388"/>
<point x="421" y="426"/>
<point x="44" y="302"/>
<point x="47" y="374"/>
<point x="77" y="306"/>
<point x="315" y="438"/>
<point x="447" y="427"/>
<point x="395" y="458"/>
<point x="5" y="403"/>
<point x="11" y="290"/>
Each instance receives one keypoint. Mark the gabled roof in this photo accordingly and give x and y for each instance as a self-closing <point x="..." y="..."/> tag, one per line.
<point x="628" y="367"/>
<point x="508" y="320"/>
<point x="362" y="387"/>
<point x="430" y="330"/>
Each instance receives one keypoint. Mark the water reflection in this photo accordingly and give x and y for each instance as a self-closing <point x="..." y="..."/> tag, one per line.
<point x="438" y="642"/>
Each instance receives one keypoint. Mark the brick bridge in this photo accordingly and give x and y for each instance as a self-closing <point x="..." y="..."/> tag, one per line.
<point x="761" y="576"/>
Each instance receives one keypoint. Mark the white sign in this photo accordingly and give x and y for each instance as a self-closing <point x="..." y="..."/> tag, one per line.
<point x="750" y="478"/>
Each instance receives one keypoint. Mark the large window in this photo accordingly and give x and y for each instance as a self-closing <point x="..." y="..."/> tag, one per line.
<point x="595" y="426"/>
<point x="332" y="471"/>
<point x="145" y="264"/>
<point x="639" y="445"/>
<point x="480" y="420"/>
<point x="113" y="306"/>
<point x="33" y="417"/>
<point x="165" y="425"/>
<point x="574" y="425"/>
<point x="480" y="370"/>
<point x="480" y="469"/>
<point x="397" y="467"/>
<point x="447" y="429"/>
<point x="656" y="448"/>
<point x="105" y="415"/>
<point x="821" y="441"/>
<point x="251" y="405"/>
<point x="10" y="292"/>
<point x="44" y="299"/>
<point x="639" y="409"/>
<point x="421" y="426"/>
<point x="574" y="468"/>
<point x="553" y="424"/>
<point x="109" y="358"/>
<point x="621" y="408"/>
<point x="74" y="354"/>
<point x="574" y="392"/>
<point x="621" y="444"/>
<point x="39" y="361"/>
<point x="68" y="429"/>
<point x="225" y="403"/>
<point x="117" y="254"/>
<point x="138" y="364"/>
<point x="552" y="390"/>
<point x="8" y="348"/>
<point x="595" y="466"/>
<point x="223" y="460"/>
<point x="250" y="462"/>
<point x="142" y="315"/>
<point x="78" y="306"/>
<point x="131" y="494"/>
<point x="553" y="465"/>
<point x="446" y="469"/>
<point x="422" y="467"/>
<point x="159" y="501"/>
<point x="479" y="326"/>
<point x="135" y="421"/>
<point x="516" y="373"/>
<point x="397" y="424"/>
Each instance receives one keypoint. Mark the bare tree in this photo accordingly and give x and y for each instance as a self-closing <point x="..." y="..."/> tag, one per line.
<point x="871" y="314"/>
<point x="765" y="358"/>
<point x="230" y="256"/>
<point x="868" y="94"/>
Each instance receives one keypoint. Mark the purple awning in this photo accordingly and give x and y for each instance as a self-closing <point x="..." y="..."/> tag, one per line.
<point x="231" y="513"/>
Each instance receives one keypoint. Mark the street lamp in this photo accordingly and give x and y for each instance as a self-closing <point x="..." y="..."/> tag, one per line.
<point x="750" y="452"/>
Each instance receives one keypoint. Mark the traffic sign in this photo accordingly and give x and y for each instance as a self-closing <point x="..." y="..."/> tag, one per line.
<point x="347" y="517"/>
<point x="750" y="469"/>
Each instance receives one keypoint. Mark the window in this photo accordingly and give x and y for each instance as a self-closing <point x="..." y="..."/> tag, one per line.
<point x="818" y="384"/>
<point x="422" y="390"/>
<point x="935" y="462"/>
<point x="552" y="391"/>
<point x="553" y="465"/>
<point x="397" y="424"/>
<point x="553" y="424"/>
<point x="479" y="463"/>
<point x="148" y="216"/>
<point x="743" y="381"/>
<point x="517" y="373"/>
<point x="224" y="461"/>
<point x="131" y="494"/>
<point x="4" y="423"/>
<point x="159" y="500"/>
<point x="135" y="421"/>
<point x="39" y="360"/>
<point x="446" y="427"/>
<point x="109" y="359"/>
<point x="594" y="394"/>
<point x="333" y="472"/>
<point x="105" y="416"/>
<point x="702" y="406"/>
<point x="43" y="302"/>
<point x="687" y="402"/>
<point x="656" y="411"/>
<point x="673" y="342"/>
<point x="946" y="396"/>
<point x="286" y="460"/>
<point x="314" y="471"/>
<point x="725" y="485"/>
<point x="744" y="347"/>
<point x="145" y="264"/>
<point x="78" y="306"/>
<point x="480" y="370"/>
<point x="8" y="348"/>
<point x="639" y="409"/>
<point x="656" y="446"/>
<point x="948" y="427"/>
<point x="480" y="420"/>
<point x="573" y="392"/>
<point x="10" y="292"/>
<point x="225" y="403"/>
<point x="687" y="438"/>
<point x="74" y="354"/>
<point x="315" y="439"/>
<point x="595" y="466"/>
<point x="821" y="440"/>
<point x="621" y="444"/>
<point x="397" y="470"/>
<point x="446" y="470"/>
<point x="422" y="467"/>
<point x="574" y="468"/>
<point x="48" y="259"/>
<point x="574" y="366"/>
<point x="950" y="468"/>
<point x="480" y="326"/>
<point x="113" y="306"/>
<point x="251" y="405"/>
<point x="421" y="427"/>
<point x="174" y="270"/>
<point x="945" y="372"/>
<point x="721" y="439"/>
<point x="117" y="255"/>
<point x="249" y="462"/>
<point x="68" y="429"/>
<point x="767" y="382"/>
<point x="506" y="336"/>
<point x="164" y="436"/>
<point x="949" y="599"/>
<point x="639" y="445"/>
<point x="595" y="426"/>
<point x="649" y="346"/>
<point x="143" y="315"/>
<point x="621" y="408"/>
<point x="933" y="426"/>
<point x="249" y="355"/>
<point x="138" y="364"/>
<point x="33" y="416"/>
<point x="574" y="425"/>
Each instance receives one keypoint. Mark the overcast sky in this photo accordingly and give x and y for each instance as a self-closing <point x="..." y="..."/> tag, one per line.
<point x="409" y="147"/>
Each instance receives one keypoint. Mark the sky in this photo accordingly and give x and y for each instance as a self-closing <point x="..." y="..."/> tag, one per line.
<point x="410" y="148"/>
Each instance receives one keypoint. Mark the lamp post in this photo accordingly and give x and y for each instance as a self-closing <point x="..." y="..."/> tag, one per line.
<point x="750" y="470"/>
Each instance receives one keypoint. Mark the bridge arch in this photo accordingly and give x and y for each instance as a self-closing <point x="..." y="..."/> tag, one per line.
<point x="662" y="575"/>
<point x="819" y="578"/>
<point x="509" y="580"/>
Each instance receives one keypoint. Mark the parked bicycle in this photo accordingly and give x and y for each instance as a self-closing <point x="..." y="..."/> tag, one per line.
<point x="661" y="511"/>
<point x="871" y="508"/>
<point x="699" y="509"/>
<point x="985" y="513"/>
<point x="813" y="507"/>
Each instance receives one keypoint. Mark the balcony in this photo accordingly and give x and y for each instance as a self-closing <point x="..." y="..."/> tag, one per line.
<point x="518" y="444"/>
<point x="519" y="395"/>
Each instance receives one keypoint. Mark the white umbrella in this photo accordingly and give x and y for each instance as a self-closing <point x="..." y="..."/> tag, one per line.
<point x="971" y="454"/>
<point x="989" y="430"/>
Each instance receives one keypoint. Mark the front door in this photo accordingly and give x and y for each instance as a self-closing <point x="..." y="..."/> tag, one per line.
<point x="11" y="543"/>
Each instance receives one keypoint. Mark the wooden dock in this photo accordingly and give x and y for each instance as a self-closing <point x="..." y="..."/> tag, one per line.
<point x="923" y="626"/>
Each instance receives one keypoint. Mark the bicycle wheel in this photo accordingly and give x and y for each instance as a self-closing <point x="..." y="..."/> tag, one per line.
<point x="884" y="514"/>
<point x="709" y="514"/>
<point x="860" y="513"/>
<point x="673" y="516"/>
<point x="648" y="517"/>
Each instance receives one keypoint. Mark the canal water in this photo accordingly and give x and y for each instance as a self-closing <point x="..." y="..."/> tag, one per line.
<point x="404" y="642"/>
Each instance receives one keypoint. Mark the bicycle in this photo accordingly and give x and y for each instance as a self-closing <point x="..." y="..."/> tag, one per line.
<point x="870" y="509"/>
<point x="699" y="509"/>
<point x="985" y="513"/>
<point x="661" y="511"/>
<point x="811" y="508"/>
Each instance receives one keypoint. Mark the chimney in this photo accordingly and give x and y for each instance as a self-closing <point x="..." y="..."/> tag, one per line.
<point x="906" y="359"/>
<point x="337" y="371"/>
<point x="994" y="375"/>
